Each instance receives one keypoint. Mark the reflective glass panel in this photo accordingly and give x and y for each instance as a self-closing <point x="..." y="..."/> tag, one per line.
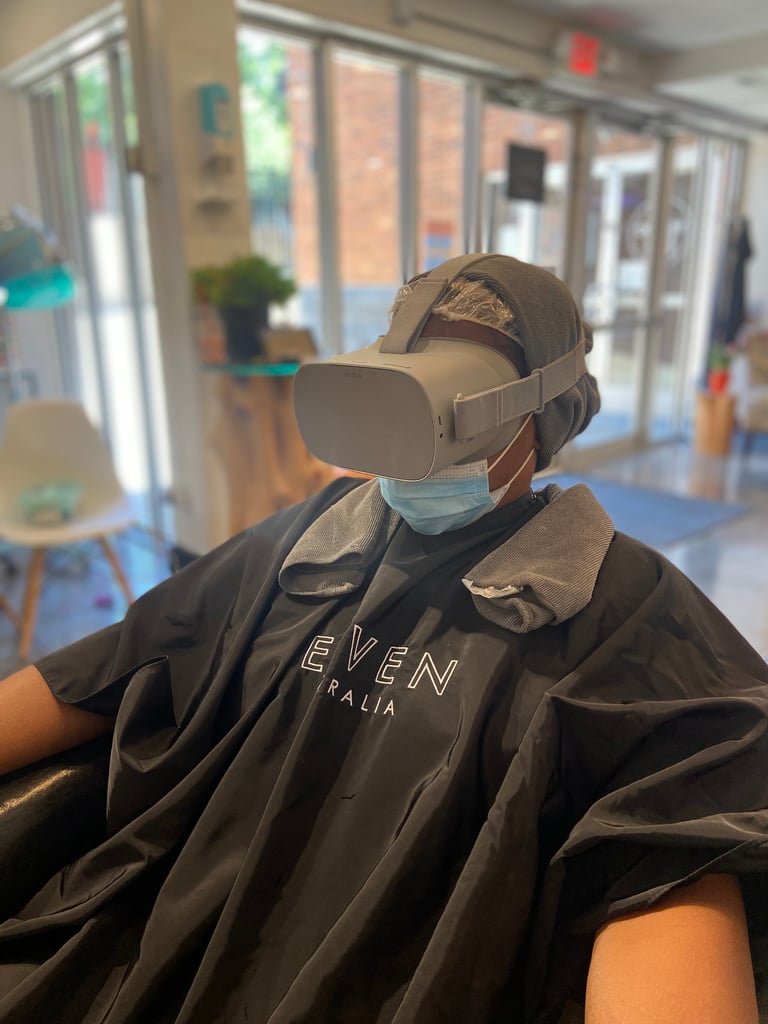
<point x="441" y="169"/>
<point x="530" y="231"/>
<point x="366" y="128"/>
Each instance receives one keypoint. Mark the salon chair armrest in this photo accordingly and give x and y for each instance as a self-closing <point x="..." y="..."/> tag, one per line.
<point x="50" y="814"/>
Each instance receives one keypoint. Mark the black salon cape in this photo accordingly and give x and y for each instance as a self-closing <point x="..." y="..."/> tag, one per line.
<point x="383" y="807"/>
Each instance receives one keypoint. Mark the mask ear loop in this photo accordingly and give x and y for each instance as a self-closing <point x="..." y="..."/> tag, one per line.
<point x="519" y="469"/>
<point x="498" y="458"/>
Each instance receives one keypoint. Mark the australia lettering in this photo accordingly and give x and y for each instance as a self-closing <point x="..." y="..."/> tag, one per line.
<point x="390" y="669"/>
<point x="375" y="705"/>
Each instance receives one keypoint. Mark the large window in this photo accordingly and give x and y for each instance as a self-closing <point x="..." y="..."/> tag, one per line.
<point x="83" y="119"/>
<point x="529" y="231"/>
<point x="277" y="110"/>
<point x="116" y="358"/>
<point x="441" y="122"/>
<point x="366" y="129"/>
<point x="388" y="165"/>
<point x="716" y="190"/>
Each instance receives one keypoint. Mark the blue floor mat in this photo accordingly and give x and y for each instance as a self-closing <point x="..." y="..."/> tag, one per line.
<point x="654" y="517"/>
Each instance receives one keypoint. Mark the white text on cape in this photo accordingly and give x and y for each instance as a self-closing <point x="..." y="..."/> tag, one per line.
<point x="369" y="702"/>
<point x="320" y="648"/>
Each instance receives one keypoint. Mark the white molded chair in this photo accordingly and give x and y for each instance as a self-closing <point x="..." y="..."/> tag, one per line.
<point x="53" y="440"/>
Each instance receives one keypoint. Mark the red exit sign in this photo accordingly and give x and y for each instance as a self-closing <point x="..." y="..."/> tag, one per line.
<point x="584" y="54"/>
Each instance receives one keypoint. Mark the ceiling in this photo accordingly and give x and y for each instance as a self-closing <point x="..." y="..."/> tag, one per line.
<point x="713" y="54"/>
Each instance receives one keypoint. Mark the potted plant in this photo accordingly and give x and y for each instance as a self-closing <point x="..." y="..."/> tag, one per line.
<point x="718" y="369"/>
<point x="242" y="291"/>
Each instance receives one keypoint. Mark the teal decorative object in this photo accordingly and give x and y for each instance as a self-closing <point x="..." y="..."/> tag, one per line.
<point x="44" y="289"/>
<point x="33" y="272"/>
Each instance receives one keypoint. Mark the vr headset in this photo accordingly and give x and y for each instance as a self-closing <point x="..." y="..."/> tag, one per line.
<point x="407" y="407"/>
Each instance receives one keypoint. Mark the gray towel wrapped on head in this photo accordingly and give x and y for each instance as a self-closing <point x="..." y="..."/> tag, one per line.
<point x="547" y="325"/>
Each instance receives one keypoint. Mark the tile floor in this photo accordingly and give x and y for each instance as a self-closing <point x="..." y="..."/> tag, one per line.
<point x="729" y="563"/>
<point x="79" y="593"/>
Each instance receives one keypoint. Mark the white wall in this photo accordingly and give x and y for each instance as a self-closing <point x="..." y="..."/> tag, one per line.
<point x="27" y="25"/>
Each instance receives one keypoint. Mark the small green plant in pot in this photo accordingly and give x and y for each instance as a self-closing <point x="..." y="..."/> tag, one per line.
<point x="242" y="290"/>
<point x="718" y="368"/>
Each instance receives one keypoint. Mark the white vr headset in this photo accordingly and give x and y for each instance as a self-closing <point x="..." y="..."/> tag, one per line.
<point x="407" y="407"/>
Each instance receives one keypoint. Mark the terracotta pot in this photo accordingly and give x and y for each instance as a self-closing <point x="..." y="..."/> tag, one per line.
<point x="718" y="381"/>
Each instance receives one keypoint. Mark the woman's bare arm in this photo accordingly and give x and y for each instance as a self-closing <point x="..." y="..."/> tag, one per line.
<point x="35" y="724"/>
<point x="684" y="961"/>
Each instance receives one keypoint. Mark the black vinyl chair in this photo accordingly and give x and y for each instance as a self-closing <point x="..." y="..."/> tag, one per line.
<point x="50" y="814"/>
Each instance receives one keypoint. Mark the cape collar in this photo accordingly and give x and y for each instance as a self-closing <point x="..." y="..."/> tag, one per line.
<point x="544" y="573"/>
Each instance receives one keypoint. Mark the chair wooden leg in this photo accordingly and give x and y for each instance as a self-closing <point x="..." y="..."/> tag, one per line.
<point x="117" y="568"/>
<point x="31" y="598"/>
<point x="5" y="607"/>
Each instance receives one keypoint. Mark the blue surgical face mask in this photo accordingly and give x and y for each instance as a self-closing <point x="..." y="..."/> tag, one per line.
<point x="452" y="498"/>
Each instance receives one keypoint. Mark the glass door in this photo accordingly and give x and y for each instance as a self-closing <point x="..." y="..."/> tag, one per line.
<point x="667" y="374"/>
<point x="657" y="211"/>
<point x="618" y="275"/>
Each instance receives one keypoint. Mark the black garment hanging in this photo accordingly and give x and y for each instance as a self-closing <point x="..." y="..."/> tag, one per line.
<point x="730" y="301"/>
